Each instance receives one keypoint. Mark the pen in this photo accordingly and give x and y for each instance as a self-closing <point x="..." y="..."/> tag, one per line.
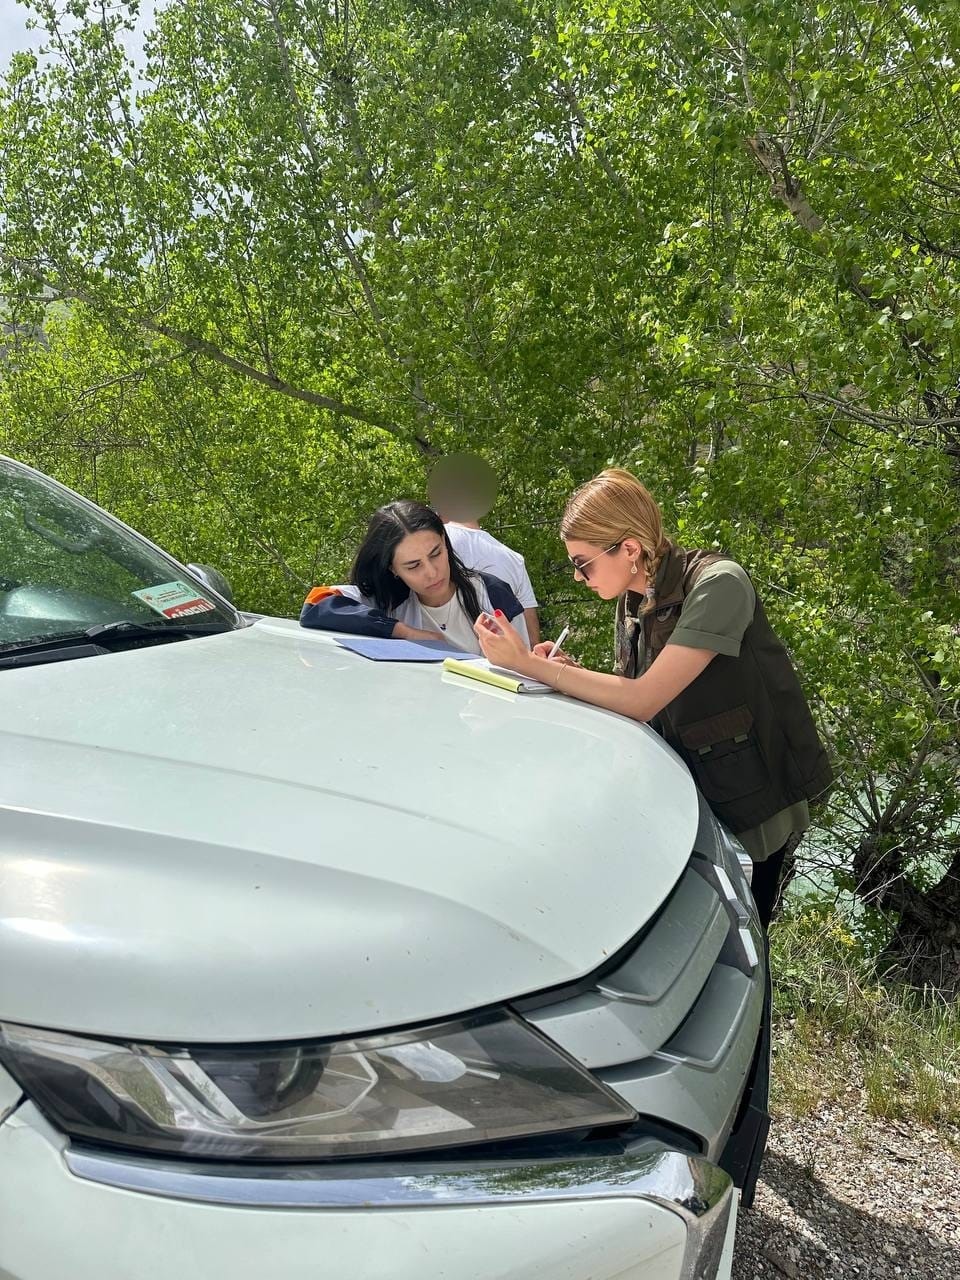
<point x="558" y="642"/>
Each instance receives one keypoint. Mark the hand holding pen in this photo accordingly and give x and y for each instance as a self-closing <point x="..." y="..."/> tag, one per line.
<point x="553" y="652"/>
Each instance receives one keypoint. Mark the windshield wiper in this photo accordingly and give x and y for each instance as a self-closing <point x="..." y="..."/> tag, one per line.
<point x="103" y="637"/>
<point x="106" y="632"/>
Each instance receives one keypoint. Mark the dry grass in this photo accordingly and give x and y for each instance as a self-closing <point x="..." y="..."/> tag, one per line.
<point x="836" y="1025"/>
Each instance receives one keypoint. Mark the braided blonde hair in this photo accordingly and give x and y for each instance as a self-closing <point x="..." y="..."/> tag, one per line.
<point x="612" y="506"/>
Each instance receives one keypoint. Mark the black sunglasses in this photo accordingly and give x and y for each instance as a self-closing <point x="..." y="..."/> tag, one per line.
<point x="580" y="566"/>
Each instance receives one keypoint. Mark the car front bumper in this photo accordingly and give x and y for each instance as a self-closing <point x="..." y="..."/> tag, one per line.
<point x="640" y="1214"/>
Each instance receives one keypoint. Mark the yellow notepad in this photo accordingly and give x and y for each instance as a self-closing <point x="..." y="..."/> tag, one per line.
<point x="480" y="669"/>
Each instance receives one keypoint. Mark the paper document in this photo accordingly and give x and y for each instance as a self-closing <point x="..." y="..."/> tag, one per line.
<point x="481" y="669"/>
<point x="381" y="650"/>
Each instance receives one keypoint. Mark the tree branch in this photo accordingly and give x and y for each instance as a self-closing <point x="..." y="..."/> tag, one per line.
<point x="201" y="346"/>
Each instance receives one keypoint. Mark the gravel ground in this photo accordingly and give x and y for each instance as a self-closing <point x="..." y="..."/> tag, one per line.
<point x="843" y="1195"/>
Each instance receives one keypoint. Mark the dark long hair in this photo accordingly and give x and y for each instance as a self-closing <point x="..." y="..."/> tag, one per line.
<point x="372" y="569"/>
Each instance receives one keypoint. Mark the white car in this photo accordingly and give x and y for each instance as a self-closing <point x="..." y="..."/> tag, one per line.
<point x="317" y="966"/>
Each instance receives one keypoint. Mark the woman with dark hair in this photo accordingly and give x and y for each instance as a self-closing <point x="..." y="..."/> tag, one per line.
<point x="407" y="583"/>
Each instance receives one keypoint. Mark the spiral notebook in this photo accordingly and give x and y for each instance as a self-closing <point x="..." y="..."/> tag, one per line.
<point x="501" y="677"/>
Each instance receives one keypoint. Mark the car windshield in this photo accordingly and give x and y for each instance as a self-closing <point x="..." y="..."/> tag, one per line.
<point x="66" y="566"/>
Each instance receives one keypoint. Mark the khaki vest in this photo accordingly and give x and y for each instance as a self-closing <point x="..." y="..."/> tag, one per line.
<point x="743" y="726"/>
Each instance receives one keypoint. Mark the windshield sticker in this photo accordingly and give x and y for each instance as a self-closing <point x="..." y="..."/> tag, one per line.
<point x="174" y="600"/>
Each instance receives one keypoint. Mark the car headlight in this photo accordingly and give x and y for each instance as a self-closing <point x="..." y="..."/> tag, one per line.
<point x="482" y="1079"/>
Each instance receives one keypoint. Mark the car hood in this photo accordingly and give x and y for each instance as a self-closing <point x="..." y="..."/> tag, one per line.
<point x="260" y="836"/>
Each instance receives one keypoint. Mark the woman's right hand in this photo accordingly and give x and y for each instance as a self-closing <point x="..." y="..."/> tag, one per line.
<point x="542" y="650"/>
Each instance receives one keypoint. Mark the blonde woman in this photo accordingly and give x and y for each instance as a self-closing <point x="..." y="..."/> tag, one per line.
<point x="697" y="658"/>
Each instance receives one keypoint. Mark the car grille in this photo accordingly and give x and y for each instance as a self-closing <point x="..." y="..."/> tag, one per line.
<point x="673" y="1027"/>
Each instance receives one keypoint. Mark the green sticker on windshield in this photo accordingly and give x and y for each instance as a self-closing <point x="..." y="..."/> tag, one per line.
<point x="174" y="600"/>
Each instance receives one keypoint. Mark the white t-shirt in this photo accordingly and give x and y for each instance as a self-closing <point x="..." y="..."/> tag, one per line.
<point x="452" y="622"/>
<point x="413" y="613"/>
<point x="484" y="553"/>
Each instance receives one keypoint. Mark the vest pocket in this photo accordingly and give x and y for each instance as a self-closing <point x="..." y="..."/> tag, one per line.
<point x="724" y="755"/>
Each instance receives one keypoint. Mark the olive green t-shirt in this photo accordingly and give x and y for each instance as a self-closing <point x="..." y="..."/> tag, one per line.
<point x="715" y="613"/>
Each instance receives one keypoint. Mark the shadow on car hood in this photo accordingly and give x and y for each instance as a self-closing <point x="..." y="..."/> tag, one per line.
<point x="261" y="836"/>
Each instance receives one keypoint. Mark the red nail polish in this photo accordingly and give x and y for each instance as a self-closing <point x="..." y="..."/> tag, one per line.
<point x="499" y="613"/>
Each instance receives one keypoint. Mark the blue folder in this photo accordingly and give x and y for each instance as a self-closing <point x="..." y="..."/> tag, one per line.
<point x="400" y="650"/>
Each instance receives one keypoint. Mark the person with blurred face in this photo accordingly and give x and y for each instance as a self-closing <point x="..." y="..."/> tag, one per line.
<point x="463" y="488"/>
<point x="697" y="659"/>
<point x="407" y="583"/>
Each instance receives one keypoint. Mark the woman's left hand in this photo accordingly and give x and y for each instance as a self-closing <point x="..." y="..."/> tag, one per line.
<point x="501" y="643"/>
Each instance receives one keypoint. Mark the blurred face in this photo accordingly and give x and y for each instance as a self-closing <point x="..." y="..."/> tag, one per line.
<point x="606" y="570"/>
<point x="462" y="487"/>
<point x="421" y="561"/>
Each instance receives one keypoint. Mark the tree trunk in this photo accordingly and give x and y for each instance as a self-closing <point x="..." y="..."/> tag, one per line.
<point x="924" y="951"/>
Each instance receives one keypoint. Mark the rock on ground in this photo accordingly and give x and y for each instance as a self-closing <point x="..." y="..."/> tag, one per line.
<point x="842" y="1195"/>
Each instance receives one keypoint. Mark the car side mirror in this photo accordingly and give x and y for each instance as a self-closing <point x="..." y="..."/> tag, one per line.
<point x="213" y="579"/>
